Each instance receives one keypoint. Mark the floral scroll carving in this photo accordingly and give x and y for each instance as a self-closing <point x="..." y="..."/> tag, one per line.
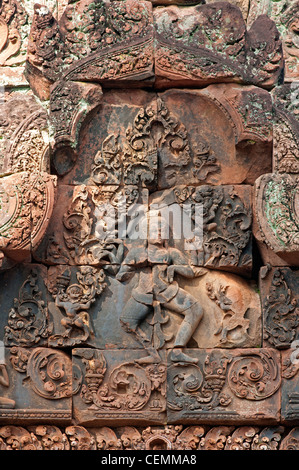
<point x="48" y="370"/>
<point x="28" y="321"/>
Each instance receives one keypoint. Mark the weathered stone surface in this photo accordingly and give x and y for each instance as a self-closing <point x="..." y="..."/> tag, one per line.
<point x="93" y="41"/>
<point x="209" y="43"/>
<point x="119" y="388"/>
<point x="27" y="201"/>
<point x="232" y="314"/>
<point x="14" y="25"/>
<point x="286" y="129"/>
<point x="220" y="386"/>
<point x="279" y="289"/>
<point x="291" y="441"/>
<point x="215" y="159"/>
<point x="114" y="334"/>
<point x="24" y="131"/>
<point x="129" y="54"/>
<point x="285" y="15"/>
<point x="289" y="387"/>
<point x="241" y="438"/>
<point x="24" y="319"/>
<point x="268" y="439"/>
<point x="85" y="225"/>
<point x="160" y="140"/>
<point x="116" y="146"/>
<point x="276" y="218"/>
<point x="47" y="396"/>
<point x="70" y="102"/>
<point x="224" y="233"/>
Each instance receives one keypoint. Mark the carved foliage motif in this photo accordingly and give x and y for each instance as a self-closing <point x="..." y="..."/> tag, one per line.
<point x="197" y="389"/>
<point x="48" y="437"/>
<point x="214" y="384"/>
<point x="281" y="312"/>
<point x="94" y="41"/>
<point x="285" y="15"/>
<point x="88" y="236"/>
<point x="49" y="371"/>
<point x="286" y="129"/>
<point x="70" y="102"/>
<point x="155" y="131"/>
<point x="254" y="377"/>
<point x="28" y="321"/>
<point x="116" y="42"/>
<point x="130" y="386"/>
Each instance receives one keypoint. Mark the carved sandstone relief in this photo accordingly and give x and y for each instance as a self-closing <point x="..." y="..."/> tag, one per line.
<point x="143" y="307"/>
<point x="195" y="45"/>
<point x="152" y="438"/>
<point x="279" y="296"/>
<point x="95" y="226"/>
<point x="224" y="224"/>
<point x="74" y="300"/>
<point x="27" y="201"/>
<point x="289" y="386"/>
<point x="285" y="15"/>
<point x="286" y="129"/>
<point x="24" y="130"/>
<point x="70" y="102"/>
<point x="117" y="44"/>
<point x="41" y="384"/>
<point x="86" y="226"/>
<point x="236" y="386"/>
<point x="276" y="220"/>
<point x="92" y="41"/>
<point x="14" y="29"/>
<point x="150" y="139"/>
<point x="119" y="387"/>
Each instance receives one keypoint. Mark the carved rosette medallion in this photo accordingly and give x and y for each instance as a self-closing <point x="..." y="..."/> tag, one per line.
<point x="254" y="377"/>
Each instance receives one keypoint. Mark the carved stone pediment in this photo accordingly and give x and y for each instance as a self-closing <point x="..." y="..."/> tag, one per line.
<point x="92" y="41"/>
<point x="209" y="43"/>
<point x="116" y="44"/>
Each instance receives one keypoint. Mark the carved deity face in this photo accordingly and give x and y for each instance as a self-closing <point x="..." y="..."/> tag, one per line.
<point x="74" y="292"/>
